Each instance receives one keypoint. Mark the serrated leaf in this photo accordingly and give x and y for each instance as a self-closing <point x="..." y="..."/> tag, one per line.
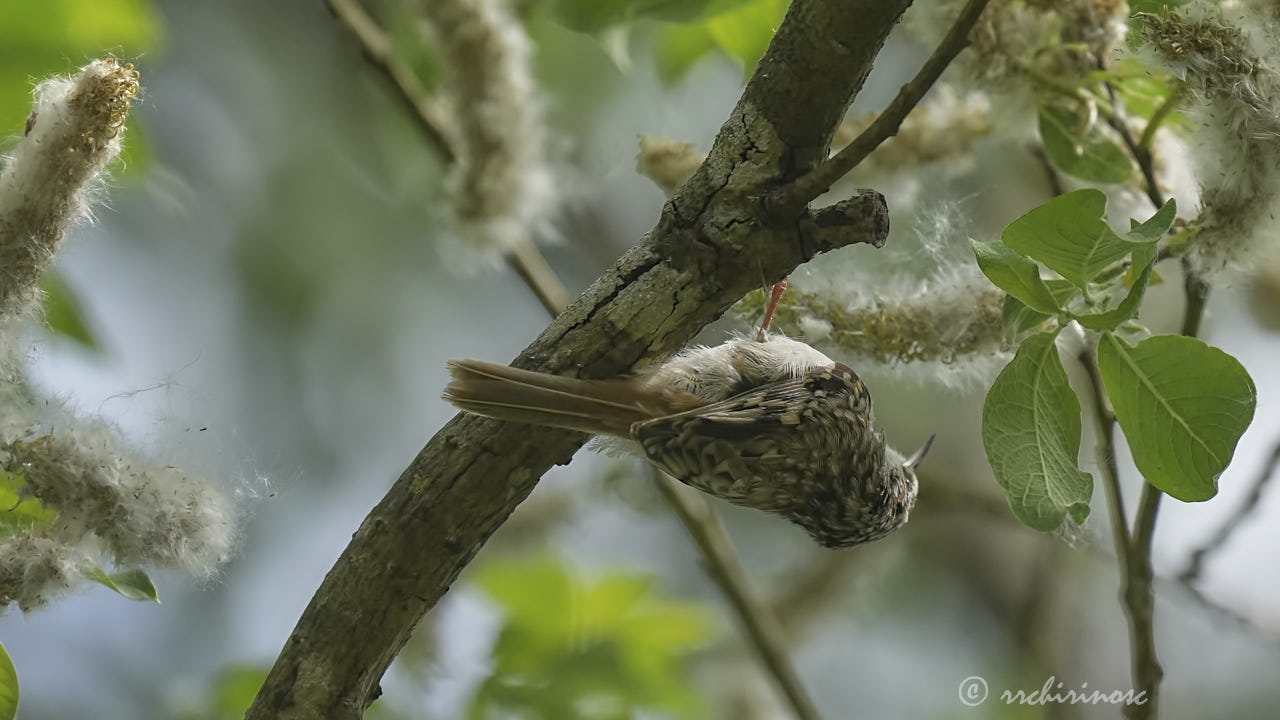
<point x="1070" y="235"/>
<point x="132" y="584"/>
<point x="1183" y="406"/>
<point x="1014" y="274"/>
<point x="1082" y="149"/>
<point x="8" y="686"/>
<point x="1031" y="433"/>
<point x="62" y="311"/>
<point x="1128" y="308"/>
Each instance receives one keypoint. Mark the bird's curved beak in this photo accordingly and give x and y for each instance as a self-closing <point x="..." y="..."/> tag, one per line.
<point x="917" y="457"/>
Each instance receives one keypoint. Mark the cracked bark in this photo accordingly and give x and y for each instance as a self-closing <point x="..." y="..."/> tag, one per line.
<point x="711" y="246"/>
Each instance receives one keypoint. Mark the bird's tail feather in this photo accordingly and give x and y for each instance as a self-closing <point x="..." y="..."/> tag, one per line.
<point x="594" y="406"/>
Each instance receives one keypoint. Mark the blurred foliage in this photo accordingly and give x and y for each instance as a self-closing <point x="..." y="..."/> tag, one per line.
<point x="233" y="691"/>
<point x="594" y="15"/>
<point x="55" y="37"/>
<point x="63" y="313"/>
<point x="8" y="687"/>
<point x="16" y="512"/>
<point x="1079" y="147"/>
<point x="573" y="648"/>
<point x="230" y="695"/>
<point x="688" y="30"/>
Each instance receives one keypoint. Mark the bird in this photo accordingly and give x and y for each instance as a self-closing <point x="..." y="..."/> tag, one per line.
<point x="766" y="422"/>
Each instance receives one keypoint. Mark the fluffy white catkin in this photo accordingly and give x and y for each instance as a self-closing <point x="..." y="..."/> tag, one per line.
<point x="1230" y="61"/>
<point x="101" y="503"/>
<point x="500" y="186"/>
<point x="71" y="135"/>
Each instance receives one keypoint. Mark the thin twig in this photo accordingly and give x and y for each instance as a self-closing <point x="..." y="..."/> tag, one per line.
<point x="1159" y="116"/>
<point x="885" y="126"/>
<point x="804" y="594"/>
<point x="726" y="570"/>
<point x="1138" y="591"/>
<point x="988" y="509"/>
<point x="1051" y="175"/>
<point x="525" y="258"/>
<point x="529" y="263"/>
<point x="1105" y="421"/>
<point x="1197" y="292"/>
<point x="381" y="55"/>
<point x="1141" y="154"/>
<point x="1133" y="553"/>
<point x="1233" y="522"/>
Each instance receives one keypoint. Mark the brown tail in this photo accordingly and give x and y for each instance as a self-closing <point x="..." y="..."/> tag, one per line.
<point x="608" y="407"/>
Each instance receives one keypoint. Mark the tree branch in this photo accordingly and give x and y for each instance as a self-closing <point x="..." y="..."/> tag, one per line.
<point x="710" y="247"/>
<point x="986" y="509"/>
<point x="885" y="126"/>
<point x="724" y="567"/>
<point x="1195" y="564"/>
<point x="1138" y="593"/>
<point x="1141" y="153"/>
<point x="722" y="562"/>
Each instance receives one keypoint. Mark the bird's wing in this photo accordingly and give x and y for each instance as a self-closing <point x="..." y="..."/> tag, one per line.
<point x="728" y="448"/>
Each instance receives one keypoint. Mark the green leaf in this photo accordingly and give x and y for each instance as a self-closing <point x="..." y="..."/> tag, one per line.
<point x="680" y="47"/>
<point x="681" y="11"/>
<point x="1155" y="228"/>
<point x="1016" y="318"/>
<point x="56" y="36"/>
<point x="1070" y="235"/>
<point x="235" y="688"/>
<point x="1128" y="308"/>
<point x="588" y="16"/>
<point x="132" y="584"/>
<point x="592" y="16"/>
<point x="17" y="514"/>
<point x="745" y="33"/>
<point x="1080" y="148"/>
<point x="1183" y="406"/>
<point x="62" y="311"/>
<point x="1031" y="432"/>
<point x="8" y="686"/>
<point x="566" y="641"/>
<point x="1014" y="274"/>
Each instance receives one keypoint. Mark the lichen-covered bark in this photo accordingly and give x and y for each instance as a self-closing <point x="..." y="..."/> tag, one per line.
<point x="710" y="247"/>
